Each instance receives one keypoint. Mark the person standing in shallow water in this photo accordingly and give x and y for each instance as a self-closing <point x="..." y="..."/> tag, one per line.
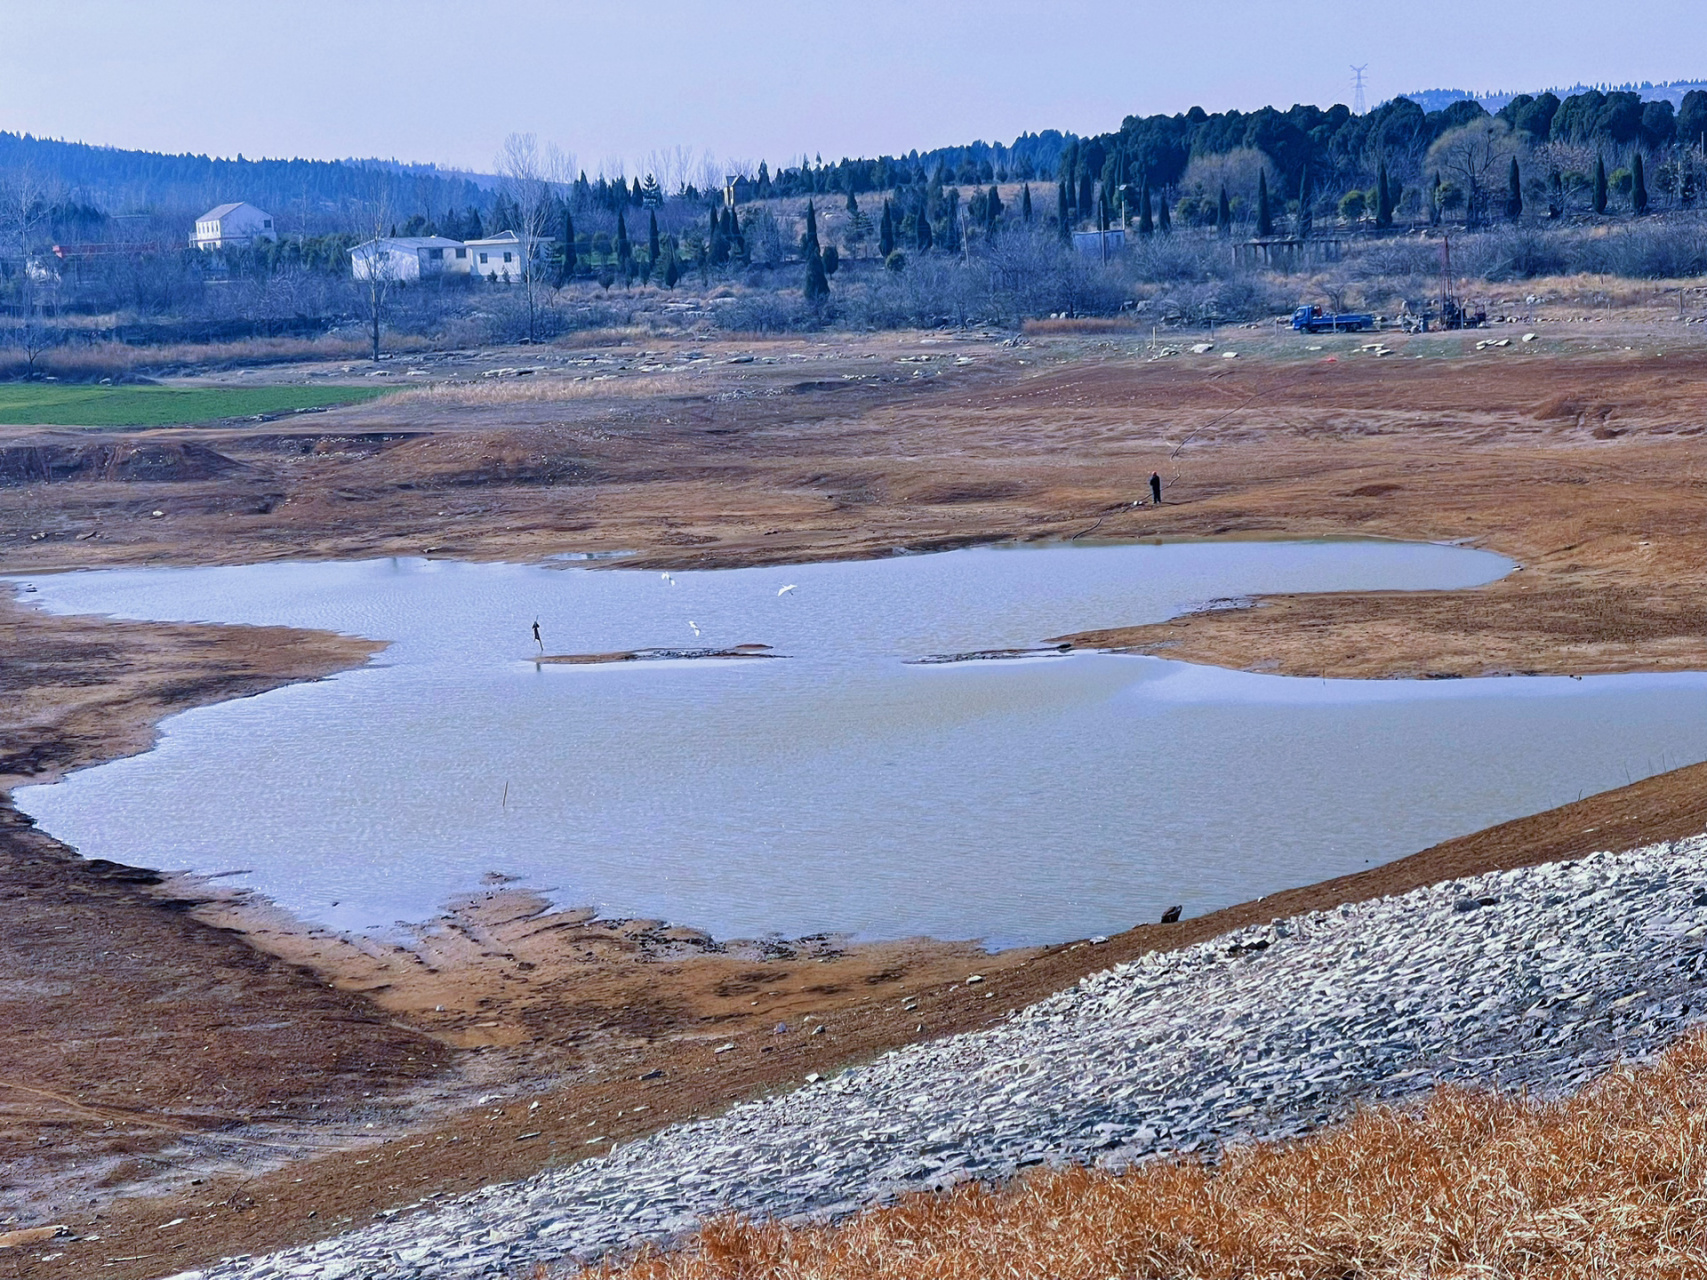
<point x="536" y="638"/>
<point x="1156" y="488"/>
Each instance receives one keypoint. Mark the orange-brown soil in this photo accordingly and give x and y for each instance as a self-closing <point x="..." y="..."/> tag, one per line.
<point x="1585" y="467"/>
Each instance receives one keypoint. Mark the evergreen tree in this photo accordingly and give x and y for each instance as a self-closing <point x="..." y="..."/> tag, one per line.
<point x="853" y="205"/>
<point x="672" y="272"/>
<point x="832" y="259"/>
<point x="569" y="258"/>
<point x="652" y="238"/>
<point x="1555" y="196"/>
<point x="1383" y="198"/>
<point x="637" y="196"/>
<point x="1265" y="216"/>
<point x="809" y="241"/>
<point x="1305" y="213"/>
<point x="624" y="250"/>
<point x="886" y="232"/>
<point x="925" y="238"/>
<point x="1063" y="217"/>
<point x="817" y="286"/>
<point x="1600" y="184"/>
<point x="1087" y="193"/>
<point x="1025" y="204"/>
<point x="1146" y="214"/>
<point x="993" y="212"/>
<point x="1638" y="185"/>
<point x="1224" y="213"/>
<point x="1164" y="223"/>
<point x="1514" y="192"/>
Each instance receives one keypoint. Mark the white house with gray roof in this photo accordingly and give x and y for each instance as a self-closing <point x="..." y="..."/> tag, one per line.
<point x="408" y="258"/>
<point x="235" y="225"/>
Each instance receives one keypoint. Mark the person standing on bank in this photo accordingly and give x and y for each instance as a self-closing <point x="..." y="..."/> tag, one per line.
<point x="1155" y="488"/>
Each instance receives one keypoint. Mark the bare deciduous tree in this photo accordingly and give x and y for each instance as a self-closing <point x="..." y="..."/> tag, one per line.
<point x="30" y="274"/>
<point x="376" y="274"/>
<point x="1478" y="155"/>
<point x="529" y="180"/>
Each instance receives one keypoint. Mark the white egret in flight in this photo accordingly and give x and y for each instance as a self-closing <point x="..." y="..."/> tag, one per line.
<point x="790" y="587"/>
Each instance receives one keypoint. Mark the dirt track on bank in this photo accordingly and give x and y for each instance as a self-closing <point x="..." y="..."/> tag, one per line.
<point x="1585" y="467"/>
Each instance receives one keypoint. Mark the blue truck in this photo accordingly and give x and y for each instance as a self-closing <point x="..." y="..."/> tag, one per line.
<point x="1310" y="319"/>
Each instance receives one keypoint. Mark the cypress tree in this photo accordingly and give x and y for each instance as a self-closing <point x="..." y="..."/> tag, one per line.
<point x="993" y="212"/>
<point x="886" y="232"/>
<point x="817" y="286"/>
<point x="1164" y="223"/>
<point x="1025" y="203"/>
<point x="809" y="241"/>
<point x="1087" y="193"/>
<point x="925" y="238"/>
<point x="1063" y="218"/>
<point x="569" y="260"/>
<point x="1638" y="186"/>
<point x="853" y="205"/>
<point x="672" y="272"/>
<point x="1514" y="192"/>
<point x="1265" y="216"/>
<point x="1555" y="196"/>
<point x="652" y="238"/>
<point x="1146" y="214"/>
<point x="1306" y="216"/>
<point x="1224" y="213"/>
<point x="1383" y="198"/>
<point x="1600" y="184"/>
<point x="624" y="250"/>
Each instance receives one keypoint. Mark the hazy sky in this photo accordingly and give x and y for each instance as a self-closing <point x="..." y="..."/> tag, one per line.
<point x="611" y="81"/>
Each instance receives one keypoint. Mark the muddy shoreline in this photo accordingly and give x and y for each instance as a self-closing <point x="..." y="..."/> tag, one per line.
<point x="501" y="1002"/>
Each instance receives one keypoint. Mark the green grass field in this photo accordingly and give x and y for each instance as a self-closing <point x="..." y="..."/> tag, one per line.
<point x="61" y="405"/>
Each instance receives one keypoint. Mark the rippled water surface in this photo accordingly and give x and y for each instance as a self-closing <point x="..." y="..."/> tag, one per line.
<point x="840" y="788"/>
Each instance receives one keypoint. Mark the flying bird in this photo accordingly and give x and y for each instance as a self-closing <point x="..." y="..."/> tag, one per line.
<point x="790" y="587"/>
<point x="667" y="578"/>
<point x="694" y="625"/>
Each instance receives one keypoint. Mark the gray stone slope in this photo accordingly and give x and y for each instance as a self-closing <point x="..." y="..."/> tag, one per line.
<point x="1536" y="978"/>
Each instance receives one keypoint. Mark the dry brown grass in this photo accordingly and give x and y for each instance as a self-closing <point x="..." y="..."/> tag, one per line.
<point x="533" y="389"/>
<point x="1609" y="1182"/>
<point x="1082" y="324"/>
<point x="89" y="362"/>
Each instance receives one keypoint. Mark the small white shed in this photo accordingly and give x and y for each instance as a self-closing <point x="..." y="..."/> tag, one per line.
<point x="499" y="255"/>
<point x="233" y="225"/>
<point x="409" y="257"/>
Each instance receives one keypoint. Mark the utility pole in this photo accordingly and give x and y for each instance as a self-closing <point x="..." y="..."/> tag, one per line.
<point x="1359" y="105"/>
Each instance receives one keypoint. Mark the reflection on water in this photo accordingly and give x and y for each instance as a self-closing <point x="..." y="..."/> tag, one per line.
<point x="842" y="788"/>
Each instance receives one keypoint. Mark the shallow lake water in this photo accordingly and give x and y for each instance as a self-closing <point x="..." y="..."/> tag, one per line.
<point x="840" y="788"/>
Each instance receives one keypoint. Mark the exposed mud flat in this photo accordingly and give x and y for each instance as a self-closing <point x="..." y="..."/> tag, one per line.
<point x="1583" y="466"/>
<point x="655" y="655"/>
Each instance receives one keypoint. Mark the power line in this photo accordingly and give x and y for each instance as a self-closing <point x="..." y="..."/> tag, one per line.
<point x="1358" y="104"/>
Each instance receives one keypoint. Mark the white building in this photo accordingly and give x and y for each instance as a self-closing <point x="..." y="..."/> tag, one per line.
<point x="409" y="257"/>
<point x="499" y="255"/>
<point x="232" y="225"/>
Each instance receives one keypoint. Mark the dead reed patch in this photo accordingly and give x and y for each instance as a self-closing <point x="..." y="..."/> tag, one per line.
<point x="1611" y="1181"/>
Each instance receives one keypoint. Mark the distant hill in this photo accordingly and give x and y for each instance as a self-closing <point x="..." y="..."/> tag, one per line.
<point x="1671" y="91"/>
<point x="304" y="195"/>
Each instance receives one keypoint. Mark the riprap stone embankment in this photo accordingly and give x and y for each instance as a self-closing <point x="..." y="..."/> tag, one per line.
<point x="1538" y="978"/>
